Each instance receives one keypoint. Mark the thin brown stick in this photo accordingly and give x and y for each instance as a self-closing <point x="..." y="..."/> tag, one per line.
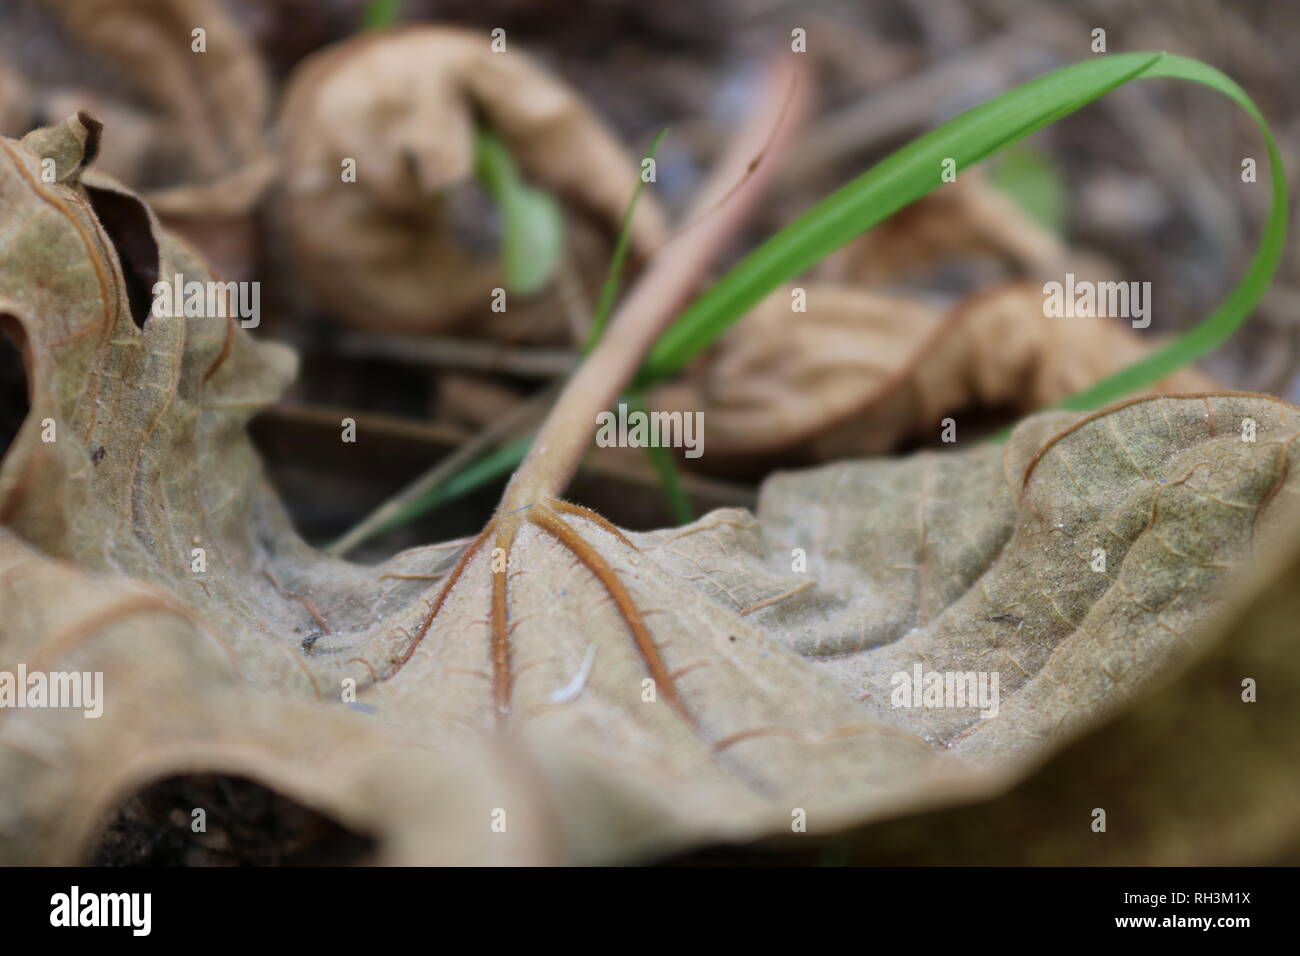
<point x="441" y="351"/>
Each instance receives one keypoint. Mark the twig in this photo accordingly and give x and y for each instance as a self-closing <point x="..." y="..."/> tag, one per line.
<point x="445" y="352"/>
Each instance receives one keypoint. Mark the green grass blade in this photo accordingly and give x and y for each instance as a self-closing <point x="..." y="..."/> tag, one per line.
<point x="613" y="278"/>
<point x="380" y="14"/>
<point x="1218" y="326"/>
<point x="662" y="461"/>
<point x="914" y="170"/>
<point x="492" y="466"/>
<point x="532" y="224"/>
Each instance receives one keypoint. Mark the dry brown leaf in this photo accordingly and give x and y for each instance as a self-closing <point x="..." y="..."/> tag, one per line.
<point x="861" y="371"/>
<point x="966" y="218"/>
<point x="1193" y="773"/>
<point x="213" y="104"/>
<point x="385" y="251"/>
<point x="15" y="103"/>
<point x="138" y="141"/>
<point x="770" y="683"/>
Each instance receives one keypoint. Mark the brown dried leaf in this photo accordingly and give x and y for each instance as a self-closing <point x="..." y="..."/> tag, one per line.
<point x="770" y="684"/>
<point x="384" y="251"/>
<point x="967" y="218"/>
<point x="216" y="102"/>
<point x="861" y="371"/>
<point x="138" y="140"/>
<point x="1192" y="773"/>
<point x="15" y="103"/>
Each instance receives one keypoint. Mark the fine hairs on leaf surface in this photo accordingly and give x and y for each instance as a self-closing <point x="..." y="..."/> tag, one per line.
<point x="913" y="171"/>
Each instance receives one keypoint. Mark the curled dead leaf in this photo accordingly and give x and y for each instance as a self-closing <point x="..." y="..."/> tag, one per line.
<point x="967" y="218"/>
<point x="384" y="249"/>
<point x="213" y="101"/>
<point x="859" y="372"/>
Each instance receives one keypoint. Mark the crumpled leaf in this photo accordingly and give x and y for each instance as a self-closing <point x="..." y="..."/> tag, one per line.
<point x="214" y="104"/>
<point x="974" y="559"/>
<point x="967" y="219"/>
<point x="387" y="250"/>
<point x="859" y="371"/>
<point x="138" y="140"/>
<point x="945" y="565"/>
<point x="1191" y="774"/>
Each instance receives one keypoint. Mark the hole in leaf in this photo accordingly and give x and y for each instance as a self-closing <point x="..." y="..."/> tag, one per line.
<point x="127" y="224"/>
<point x="14" y="399"/>
<point x="244" y="823"/>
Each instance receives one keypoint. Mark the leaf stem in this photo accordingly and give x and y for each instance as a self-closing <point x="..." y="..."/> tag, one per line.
<point x="677" y="268"/>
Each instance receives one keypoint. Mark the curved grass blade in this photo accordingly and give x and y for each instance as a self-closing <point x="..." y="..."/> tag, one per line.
<point x="496" y="464"/>
<point x="661" y="459"/>
<point x="914" y="170"/>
